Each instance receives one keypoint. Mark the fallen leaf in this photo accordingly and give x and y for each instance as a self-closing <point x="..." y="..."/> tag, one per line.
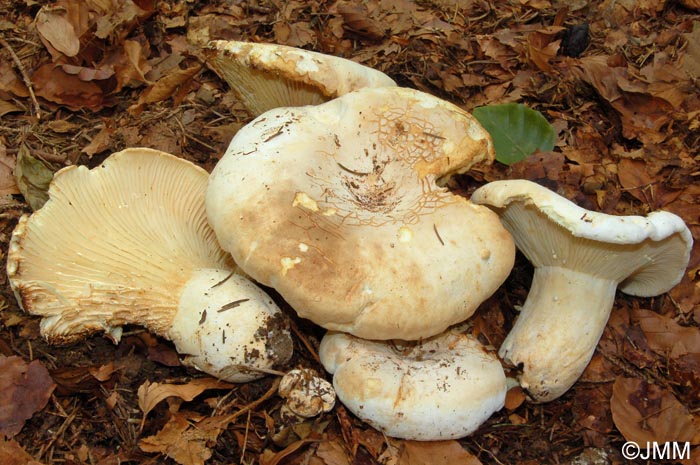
<point x="691" y="59"/>
<point x="667" y="337"/>
<point x="151" y="394"/>
<point x="9" y="81"/>
<point x="25" y="389"/>
<point x="646" y="413"/>
<point x="294" y="34"/>
<point x="180" y="441"/>
<point x="62" y="126"/>
<point x="102" y="140"/>
<point x="8" y="185"/>
<point x="275" y="458"/>
<point x="55" y="85"/>
<point x="435" y="453"/>
<point x="541" y="47"/>
<point x="53" y="24"/>
<point x="332" y="453"/>
<point x="13" y="454"/>
<point x="641" y="114"/>
<point x="358" y="21"/>
<point x="165" y="87"/>
<point x="32" y="178"/>
<point x="130" y="65"/>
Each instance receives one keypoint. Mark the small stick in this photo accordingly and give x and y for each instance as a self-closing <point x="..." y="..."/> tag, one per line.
<point x="25" y="76"/>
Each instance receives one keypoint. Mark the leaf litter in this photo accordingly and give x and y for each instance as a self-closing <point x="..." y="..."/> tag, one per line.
<point x="79" y="80"/>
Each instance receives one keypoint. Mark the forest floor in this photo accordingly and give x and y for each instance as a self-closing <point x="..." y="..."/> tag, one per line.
<point x="623" y="96"/>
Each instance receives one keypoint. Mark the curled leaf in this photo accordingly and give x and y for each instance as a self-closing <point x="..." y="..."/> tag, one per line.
<point x="150" y="394"/>
<point x="33" y="178"/>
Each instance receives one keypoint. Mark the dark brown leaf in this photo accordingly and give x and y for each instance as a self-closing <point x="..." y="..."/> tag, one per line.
<point x="25" y="389"/>
<point x="646" y="413"/>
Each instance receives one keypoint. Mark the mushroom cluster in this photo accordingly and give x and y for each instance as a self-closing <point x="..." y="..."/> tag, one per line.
<point x="340" y="206"/>
<point x="334" y="195"/>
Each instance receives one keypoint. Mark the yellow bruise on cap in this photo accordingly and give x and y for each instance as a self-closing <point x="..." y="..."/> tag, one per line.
<point x="303" y="199"/>
<point x="288" y="263"/>
<point x="405" y="234"/>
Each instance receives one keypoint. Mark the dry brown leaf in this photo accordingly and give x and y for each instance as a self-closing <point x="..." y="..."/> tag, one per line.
<point x="294" y="34"/>
<point x="667" y="337"/>
<point x="13" y="454"/>
<point x="8" y="186"/>
<point x="275" y="458"/>
<point x="691" y="59"/>
<point x="165" y="87"/>
<point x="55" y="85"/>
<point x="332" y="453"/>
<point x="25" y="389"/>
<point x="636" y="180"/>
<point x="113" y="18"/>
<point x="495" y="49"/>
<point x="642" y="115"/>
<point x="130" y="65"/>
<point x="646" y="413"/>
<point x="55" y="26"/>
<point x="435" y="453"/>
<point x="102" y="140"/>
<point x="358" y="21"/>
<point x="151" y="394"/>
<point x="541" y="47"/>
<point x="9" y="81"/>
<point x="180" y="441"/>
<point x="8" y="107"/>
<point x="62" y="126"/>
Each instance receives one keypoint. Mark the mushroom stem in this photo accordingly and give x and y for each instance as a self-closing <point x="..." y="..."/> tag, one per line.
<point x="558" y="329"/>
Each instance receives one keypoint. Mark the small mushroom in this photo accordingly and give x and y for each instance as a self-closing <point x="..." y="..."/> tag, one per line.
<point x="306" y="394"/>
<point x="440" y="388"/>
<point x="128" y="243"/>
<point x="580" y="257"/>
<point x="266" y="76"/>
<point x="338" y="207"/>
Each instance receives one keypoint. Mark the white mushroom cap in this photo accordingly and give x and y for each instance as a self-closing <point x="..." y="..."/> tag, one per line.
<point x="338" y="208"/>
<point x="128" y="243"/>
<point x="441" y="388"/>
<point x="266" y="76"/>
<point x="580" y="258"/>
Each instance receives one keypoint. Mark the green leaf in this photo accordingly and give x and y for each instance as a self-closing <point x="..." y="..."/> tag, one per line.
<point x="33" y="178"/>
<point x="517" y="131"/>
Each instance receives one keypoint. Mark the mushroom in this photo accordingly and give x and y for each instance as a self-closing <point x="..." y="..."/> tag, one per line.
<point x="338" y="207"/>
<point x="266" y="76"/>
<point x="440" y="388"/>
<point x="306" y="394"/>
<point x="128" y="243"/>
<point x="580" y="257"/>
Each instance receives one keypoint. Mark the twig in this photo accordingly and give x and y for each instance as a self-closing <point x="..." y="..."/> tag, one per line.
<point x="25" y="76"/>
<point x="304" y="341"/>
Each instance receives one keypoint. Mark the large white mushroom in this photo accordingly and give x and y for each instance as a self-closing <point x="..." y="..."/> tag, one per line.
<point x="338" y="207"/>
<point x="439" y="388"/>
<point x="580" y="257"/>
<point x="266" y="76"/>
<point x="128" y="243"/>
